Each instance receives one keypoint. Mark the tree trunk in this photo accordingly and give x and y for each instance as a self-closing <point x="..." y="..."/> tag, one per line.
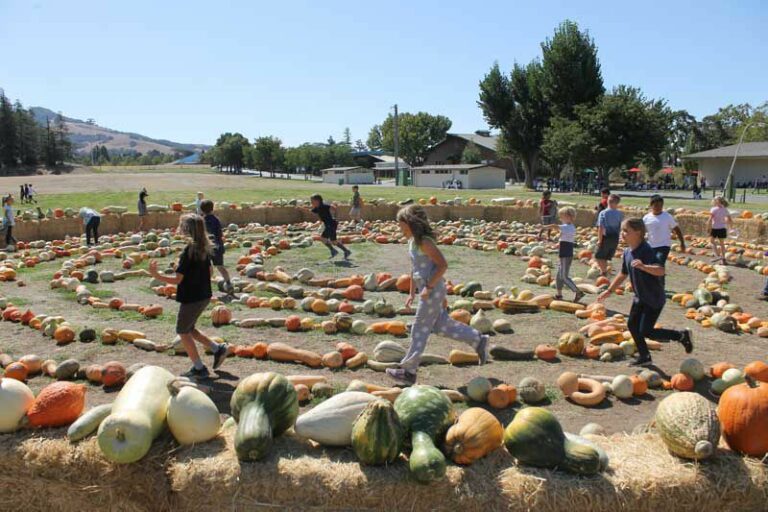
<point x="530" y="167"/>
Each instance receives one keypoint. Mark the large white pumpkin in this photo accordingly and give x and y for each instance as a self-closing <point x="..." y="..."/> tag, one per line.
<point x="192" y="416"/>
<point x="15" y="399"/>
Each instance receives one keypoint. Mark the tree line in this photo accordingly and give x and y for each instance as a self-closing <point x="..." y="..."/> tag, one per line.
<point x="554" y="114"/>
<point x="101" y="155"/>
<point x="26" y="143"/>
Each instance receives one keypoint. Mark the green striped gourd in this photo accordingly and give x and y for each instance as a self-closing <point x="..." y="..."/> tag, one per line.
<point x="377" y="435"/>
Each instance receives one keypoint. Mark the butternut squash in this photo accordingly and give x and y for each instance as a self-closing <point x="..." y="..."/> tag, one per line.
<point x="285" y="353"/>
<point x="607" y="337"/>
<point x="457" y="357"/>
<point x="307" y="380"/>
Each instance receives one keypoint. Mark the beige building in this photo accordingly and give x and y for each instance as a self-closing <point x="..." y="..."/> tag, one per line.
<point x="751" y="163"/>
<point x="348" y="176"/>
<point x="462" y="176"/>
<point x="450" y="149"/>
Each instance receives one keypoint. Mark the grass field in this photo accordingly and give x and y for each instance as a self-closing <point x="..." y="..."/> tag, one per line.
<point x="119" y="186"/>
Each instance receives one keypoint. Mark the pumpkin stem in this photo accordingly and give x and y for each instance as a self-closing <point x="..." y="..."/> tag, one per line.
<point x="120" y="435"/>
<point x="752" y="383"/>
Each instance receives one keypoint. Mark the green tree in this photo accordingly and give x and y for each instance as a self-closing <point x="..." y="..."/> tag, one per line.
<point x="360" y="146"/>
<point x="8" y="140"/>
<point x="374" y="141"/>
<point x="27" y="135"/>
<point x="104" y="155"/>
<point x="63" y="146"/>
<point x="515" y="105"/>
<point x="417" y="133"/>
<point x="570" y="70"/>
<point x="231" y="151"/>
<point x="623" y="129"/>
<point x="347" y="137"/>
<point x="471" y="154"/>
<point x="267" y="154"/>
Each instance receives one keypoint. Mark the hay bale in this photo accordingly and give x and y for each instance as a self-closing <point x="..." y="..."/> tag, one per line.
<point x="52" y="474"/>
<point x="643" y="477"/>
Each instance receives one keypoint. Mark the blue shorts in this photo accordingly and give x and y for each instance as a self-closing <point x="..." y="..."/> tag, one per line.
<point x="661" y="254"/>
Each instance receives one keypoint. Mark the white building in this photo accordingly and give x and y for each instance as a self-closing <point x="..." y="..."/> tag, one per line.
<point x="348" y="176"/>
<point x="385" y="167"/>
<point x="751" y="163"/>
<point x="459" y="176"/>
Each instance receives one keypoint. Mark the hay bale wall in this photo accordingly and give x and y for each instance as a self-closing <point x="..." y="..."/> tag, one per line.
<point x="55" y="229"/>
<point x="50" y="474"/>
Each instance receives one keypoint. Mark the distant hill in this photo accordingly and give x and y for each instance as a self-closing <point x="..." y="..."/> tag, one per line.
<point x="84" y="135"/>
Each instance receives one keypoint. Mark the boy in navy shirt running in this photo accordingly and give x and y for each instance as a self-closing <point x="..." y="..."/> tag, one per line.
<point x="216" y="235"/>
<point x="328" y="236"/>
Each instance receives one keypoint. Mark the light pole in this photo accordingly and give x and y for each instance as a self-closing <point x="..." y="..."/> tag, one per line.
<point x="729" y="182"/>
<point x="397" y="147"/>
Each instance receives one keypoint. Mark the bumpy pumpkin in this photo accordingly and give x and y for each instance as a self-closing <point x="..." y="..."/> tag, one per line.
<point x="758" y="370"/>
<point x="743" y="413"/>
<point x="682" y="382"/>
<point x="571" y="344"/>
<point x="377" y="435"/>
<point x="16" y="371"/>
<point x="113" y="374"/>
<point x="688" y="425"/>
<point x="58" y="404"/>
<point x="476" y="434"/>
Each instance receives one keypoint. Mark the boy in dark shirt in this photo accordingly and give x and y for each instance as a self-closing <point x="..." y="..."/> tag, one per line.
<point x="328" y="236"/>
<point x="640" y="263"/>
<point x="216" y="235"/>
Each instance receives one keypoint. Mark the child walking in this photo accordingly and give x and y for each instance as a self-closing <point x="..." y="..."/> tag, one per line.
<point x="646" y="273"/>
<point x="91" y="220"/>
<point x="193" y="292"/>
<point x="608" y="232"/>
<point x="565" y="254"/>
<point x="356" y="212"/>
<point x="547" y="211"/>
<point x="328" y="236"/>
<point x="213" y="227"/>
<point x="198" y="201"/>
<point x="719" y="222"/>
<point x="428" y="267"/>
<point x="9" y="221"/>
<point x="142" y="209"/>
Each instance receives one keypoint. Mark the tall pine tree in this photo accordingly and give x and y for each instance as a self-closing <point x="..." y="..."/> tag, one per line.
<point x="8" y="140"/>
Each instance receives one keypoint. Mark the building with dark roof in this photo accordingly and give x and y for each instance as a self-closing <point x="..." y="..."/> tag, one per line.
<point x="751" y="163"/>
<point x="450" y="149"/>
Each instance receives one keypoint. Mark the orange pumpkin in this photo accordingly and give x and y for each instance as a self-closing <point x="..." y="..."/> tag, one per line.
<point x="253" y="302"/>
<point x="347" y="350"/>
<point x="403" y="283"/>
<point x="176" y="207"/>
<point x="113" y="374"/>
<point x="116" y="303"/>
<point x="396" y="328"/>
<point x="682" y="382"/>
<point x="461" y="315"/>
<point x="64" y="334"/>
<point x="639" y="385"/>
<point x="319" y="307"/>
<point x="498" y="398"/>
<point x="534" y="262"/>
<point x="293" y="323"/>
<point x="592" y="352"/>
<point x="260" y="350"/>
<point x="545" y="352"/>
<point x="758" y="370"/>
<point x="221" y="315"/>
<point x="743" y="414"/>
<point x="152" y="311"/>
<point x="346" y="307"/>
<point x="243" y="351"/>
<point x="18" y="371"/>
<point x="476" y="434"/>
<point x="58" y="404"/>
<point x="354" y="292"/>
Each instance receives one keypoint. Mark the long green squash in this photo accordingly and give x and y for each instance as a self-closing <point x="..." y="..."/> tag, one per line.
<point x="138" y="416"/>
<point x="426" y="413"/>
<point x="88" y="423"/>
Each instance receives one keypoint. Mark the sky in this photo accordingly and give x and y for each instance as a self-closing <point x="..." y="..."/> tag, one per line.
<point x="304" y="70"/>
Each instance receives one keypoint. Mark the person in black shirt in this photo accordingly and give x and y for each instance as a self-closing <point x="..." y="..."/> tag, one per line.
<point x="216" y="235"/>
<point x="328" y="236"/>
<point x="142" y="209"/>
<point x="646" y="274"/>
<point x="193" y="281"/>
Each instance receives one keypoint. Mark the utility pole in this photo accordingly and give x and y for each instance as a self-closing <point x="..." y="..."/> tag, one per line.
<point x="397" y="149"/>
<point x="730" y="187"/>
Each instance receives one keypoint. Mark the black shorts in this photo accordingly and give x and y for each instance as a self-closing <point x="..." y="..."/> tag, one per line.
<point x="217" y="257"/>
<point x="719" y="233"/>
<point x="189" y="312"/>
<point x="607" y="248"/>
<point x="661" y="254"/>
<point x="329" y="232"/>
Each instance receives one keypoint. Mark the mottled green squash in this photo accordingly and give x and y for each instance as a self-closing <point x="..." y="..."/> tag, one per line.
<point x="688" y="425"/>
<point x="535" y="438"/>
<point x="377" y="435"/>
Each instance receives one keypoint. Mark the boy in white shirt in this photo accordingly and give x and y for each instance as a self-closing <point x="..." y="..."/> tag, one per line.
<point x="660" y="225"/>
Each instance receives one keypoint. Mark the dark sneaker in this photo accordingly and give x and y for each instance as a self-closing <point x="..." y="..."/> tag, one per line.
<point x="558" y="297"/>
<point x="229" y="288"/>
<point x="334" y="253"/>
<point x="686" y="340"/>
<point x="482" y="349"/>
<point x="579" y="295"/>
<point x="762" y="297"/>
<point x="402" y="376"/>
<point x="220" y="355"/>
<point x="347" y="254"/>
<point x="194" y="373"/>
<point x="641" y="361"/>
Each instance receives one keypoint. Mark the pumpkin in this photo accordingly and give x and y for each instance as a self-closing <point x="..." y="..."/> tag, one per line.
<point x="688" y="425"/>
<point x="425" y="413"/>
<point x="545" y="352"/>
<point x="302" y="392"/>
<point x="192" y="415"/>
<point x="265" y="405"/>
<point x="15" y="399"/>
<point x="622" y="387"/>
<point x="293" y="323"/>
<point x="403" y="283"/>
<point x="639" y="385"/>
<point x="459" y="357"/>
<point x="461" y="315"/>
<point x="481" y="322"/>
<point x="94" y="373"/>
<point x="152" y="311"/>
<point x="478" y="389"/>
<point x="571" y="344"/>
<point x="397" y="328"/>
<point x="221" y="315"/>
<point x="58" y="404"/>
<point x="693" y="368"/>
<point x="682" y="382"/>
<point x="531" y="390"/>
<point x="354" y="292"/>
<point x="743" y="414"/>
<point x="17" y="371"/>
<point x="476" y="434"/>
<point x="64" y="334"/>
<point x="87" y="335"/>
<point x="510" y="390"/>
<point x="333" y="360"/>
<point x="377" y="434"/>
<point x="758" y="370"/>
<point x="346" y="350"/>
<point x="498" y="398"/>
<point x="319" y="307"/>
<point x="138" y="416"/>
<point x="113" y="374"/>
<point x="331" y="422"/>
<point x="718" y="369"/>
<point x="33" y="363"/>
